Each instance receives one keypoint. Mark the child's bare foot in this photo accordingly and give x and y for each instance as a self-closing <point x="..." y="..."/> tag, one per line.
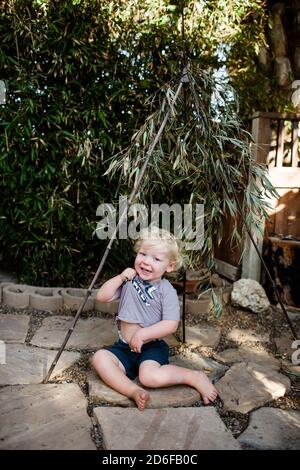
<point x="140" y="397"/>
<point x="205" y="387"/>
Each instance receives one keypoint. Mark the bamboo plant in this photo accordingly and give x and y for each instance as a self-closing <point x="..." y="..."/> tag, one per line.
<point x="204" y="154"/>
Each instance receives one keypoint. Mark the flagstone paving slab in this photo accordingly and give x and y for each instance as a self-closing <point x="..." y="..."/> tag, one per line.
<point x="41" y="417"/>
<point x="240" y="336"/>
<point x="179" y="395"/>
<point x="246" y="386"/>
<point x="91" y="333"/>
<point x="29" y="365"/>
<point x="164" y="429"/>
<point x="202" y="335"/>
<point x="13" y="328"/>
<point x="248" y="354"/>
<point x="273" y="429"/>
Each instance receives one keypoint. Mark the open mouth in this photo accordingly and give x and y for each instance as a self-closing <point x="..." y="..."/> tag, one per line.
<point x="145" y="271"/>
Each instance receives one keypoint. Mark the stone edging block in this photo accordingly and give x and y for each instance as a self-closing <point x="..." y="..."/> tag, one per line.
<point x="46" y="298"/>
<point x="73" y="298"/>
<point x="16" y="295"/>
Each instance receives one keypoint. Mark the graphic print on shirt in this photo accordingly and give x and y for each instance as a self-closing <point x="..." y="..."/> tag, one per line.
<point x="143" y="289"/>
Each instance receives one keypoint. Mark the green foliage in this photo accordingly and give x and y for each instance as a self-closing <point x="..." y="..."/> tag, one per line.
<point x="54" y="132"/>
<point x="79" y="73"/>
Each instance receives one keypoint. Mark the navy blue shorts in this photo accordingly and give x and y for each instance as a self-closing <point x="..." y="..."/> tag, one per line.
<point x="156" y="350"/>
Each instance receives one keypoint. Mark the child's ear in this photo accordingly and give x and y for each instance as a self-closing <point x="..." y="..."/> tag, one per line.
<point x="171" y="267"/>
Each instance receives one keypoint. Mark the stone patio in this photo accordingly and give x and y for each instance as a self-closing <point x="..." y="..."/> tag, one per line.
<point x="61" y="415"/>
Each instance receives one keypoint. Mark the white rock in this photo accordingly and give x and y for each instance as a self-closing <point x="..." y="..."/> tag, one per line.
<point x="250" y="295"/>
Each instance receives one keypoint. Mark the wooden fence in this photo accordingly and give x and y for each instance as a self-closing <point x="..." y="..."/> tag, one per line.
<point x="276" y="144"/>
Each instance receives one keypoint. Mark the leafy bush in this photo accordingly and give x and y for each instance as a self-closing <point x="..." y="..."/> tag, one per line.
<point x="78" y="74"/>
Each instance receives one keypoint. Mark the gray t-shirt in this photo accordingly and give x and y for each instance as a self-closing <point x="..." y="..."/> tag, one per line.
<point x="147" y="304"/>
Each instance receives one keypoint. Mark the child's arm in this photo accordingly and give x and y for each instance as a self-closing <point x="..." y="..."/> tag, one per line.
<point x="108" y="290"/>
<point x="159" y="330"/>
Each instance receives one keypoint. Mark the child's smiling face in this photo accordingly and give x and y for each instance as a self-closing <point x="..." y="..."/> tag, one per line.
<point x="152" y="261"/>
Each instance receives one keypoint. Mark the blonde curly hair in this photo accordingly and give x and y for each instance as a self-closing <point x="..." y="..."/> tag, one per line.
<point x="154" y="236"/>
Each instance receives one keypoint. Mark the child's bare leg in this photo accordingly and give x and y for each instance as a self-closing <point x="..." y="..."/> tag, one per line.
<point x="112" y="372"/>
<point x="152" y="374"/>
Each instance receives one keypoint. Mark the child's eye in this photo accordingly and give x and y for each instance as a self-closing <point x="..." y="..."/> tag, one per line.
<point x="142" y="254"/>
<point x="157" y="259"/>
